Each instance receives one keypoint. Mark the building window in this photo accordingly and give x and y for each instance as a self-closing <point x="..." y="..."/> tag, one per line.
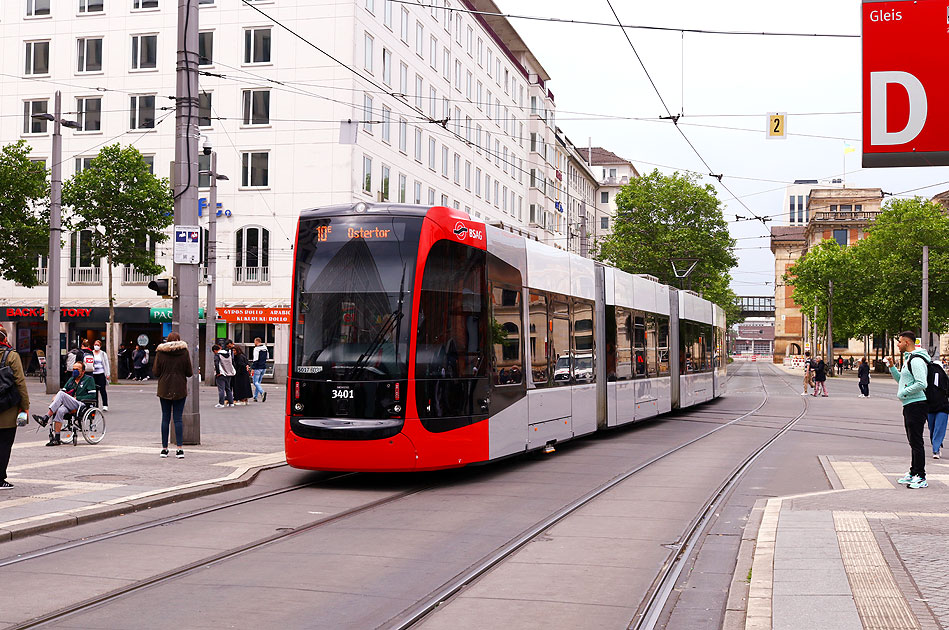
<point x="444" y="161"/>
<point x="403" y="135"/>
<point x="791" y="208"/>
<point x="144" y="52"/>
<point x="366" y="174"/>
<point x="402" y="184"/>
<point x="35" y="8"/>
<point x="142" y="112"/>
<point x="418" y="145"/>
<point x="604" y="197"/>
<point x="457" y="168"/>
<point x="82" y="163"/>
<point x="371" y="6"/>
<point x="91" y="6"/>
<point x="31" y="109"/>
<point x="204" y="170"/>
<point x="80" y="252"/>
<point x="257" y="45"/>
<point x="90" y="113"/>
<point x="800" y="208"/>
<point x="431" y="153"/>
<point x="367" y="49"/>
<point x="467" y="175"/>
<point x="387" y="13"/>
<point x="433" y="52"/>
<point x="90" y="54"/>
<point x="386" y="124"/>
<point x="604" y="223"/>
<point x="431" y="196"/>
<point x="385" y="182"/>
<point x="418" y="193"/>
<point x="204" y="109"/>
<point x="37" y="58"/>
<point x="205" y="48"/>
<point x="367" y="114"/>
<point x="252" y="247"/>
<point x="255" y="169"/>
<point x="144" y="4"/>
<point x="404" y="26"/>
<point x="477" y="182"/>
<point x="256" y="107"/>
<point x="418" y="92"/>
<point x="841" y="237"/>
<point x="403" y="81"/>
<point x="419" y="39"/>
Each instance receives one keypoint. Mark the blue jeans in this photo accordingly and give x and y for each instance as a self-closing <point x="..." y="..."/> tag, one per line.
<point x="937" y="429"/>
<point x="258" y="388"/>
<point x="169" y="408"/>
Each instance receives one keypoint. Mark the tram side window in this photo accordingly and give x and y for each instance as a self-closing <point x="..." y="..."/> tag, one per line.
<point x="663" y="345"/>
<point x="624" y="344"/>
<point x="639" y="344"/>
<point x="686" y="348"/>
<point x="537" y="310"/>
<point x="708" y="346"/>
<point x="452" y="330"/>
<point x="651" y="335"/>
<point x="506" y="335"/>
<point x="560" y="340"/>
<point x="610" y="343"/>
<point x="583" y="346"/>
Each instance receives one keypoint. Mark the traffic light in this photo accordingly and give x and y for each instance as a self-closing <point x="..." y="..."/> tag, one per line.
<point x="165" y="287"/>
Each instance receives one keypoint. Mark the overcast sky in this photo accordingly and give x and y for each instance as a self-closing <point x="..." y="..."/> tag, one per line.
<point x="593" y="70"/>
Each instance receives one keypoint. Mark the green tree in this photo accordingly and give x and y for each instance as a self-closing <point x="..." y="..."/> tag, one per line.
<point x="24" y="213"/>
<point x="664" y="218"/>
<point x="125" y="208"/>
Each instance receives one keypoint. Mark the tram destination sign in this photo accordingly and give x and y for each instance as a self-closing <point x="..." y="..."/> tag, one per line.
<point x="905" y="91"/>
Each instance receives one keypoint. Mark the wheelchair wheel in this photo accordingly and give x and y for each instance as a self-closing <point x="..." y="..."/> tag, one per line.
<point x="93" y="425"/>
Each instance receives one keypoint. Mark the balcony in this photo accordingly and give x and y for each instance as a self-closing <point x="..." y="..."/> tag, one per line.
<point x="85" y="275"/>
<point x="252" y="275"/>
<point x="42" y="275"/>
<point x="131" y="275"/>
<point x="845" y="215"/>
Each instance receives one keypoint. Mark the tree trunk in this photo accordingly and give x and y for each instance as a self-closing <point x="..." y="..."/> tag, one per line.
<point x="113" y="359"/>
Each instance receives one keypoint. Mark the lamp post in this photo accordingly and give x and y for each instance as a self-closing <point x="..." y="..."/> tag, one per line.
<point x="210" y="314"/>
<point x="55" y="242"/>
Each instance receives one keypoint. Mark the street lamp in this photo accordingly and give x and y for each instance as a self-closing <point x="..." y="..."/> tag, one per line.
<point x="210" y="315"/>
<point x="55" y="243"/>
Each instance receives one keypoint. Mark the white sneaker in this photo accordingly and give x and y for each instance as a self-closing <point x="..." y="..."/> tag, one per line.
<point x="218" y="406"/>
<point x="105" y="408"/>
<point x="804" y="394"/>
<point x="935" y="455"/>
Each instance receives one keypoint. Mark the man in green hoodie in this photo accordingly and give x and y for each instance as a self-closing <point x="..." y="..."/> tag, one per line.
<point x="912" y="379"/>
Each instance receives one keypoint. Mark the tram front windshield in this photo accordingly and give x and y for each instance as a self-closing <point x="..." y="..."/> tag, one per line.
<point x="354" y="279"/>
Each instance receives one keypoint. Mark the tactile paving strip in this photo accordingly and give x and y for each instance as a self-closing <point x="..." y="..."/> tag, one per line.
<point x="880" y="603"/>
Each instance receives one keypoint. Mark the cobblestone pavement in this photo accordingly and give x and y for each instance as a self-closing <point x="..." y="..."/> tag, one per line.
<point x="924" y="552"/>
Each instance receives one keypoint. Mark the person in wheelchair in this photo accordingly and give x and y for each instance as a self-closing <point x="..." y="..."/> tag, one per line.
<point x="79" y="390"/>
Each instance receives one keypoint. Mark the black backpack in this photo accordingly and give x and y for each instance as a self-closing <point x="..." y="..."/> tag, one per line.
<point x="937" y="386"/>
<point x="9" y="394"/>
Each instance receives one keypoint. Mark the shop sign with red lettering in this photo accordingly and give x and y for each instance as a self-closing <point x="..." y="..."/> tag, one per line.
<point x="254" y="315"/>
<point x="905" y="91"/>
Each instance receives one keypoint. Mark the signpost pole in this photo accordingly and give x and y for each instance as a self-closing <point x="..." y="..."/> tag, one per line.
<point x="53" y="351"/>
<point x="185" y="305"/>
<point x="210" y="317"/>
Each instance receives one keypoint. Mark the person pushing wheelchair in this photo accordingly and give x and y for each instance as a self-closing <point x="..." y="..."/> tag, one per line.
<point x="79" y="390"/>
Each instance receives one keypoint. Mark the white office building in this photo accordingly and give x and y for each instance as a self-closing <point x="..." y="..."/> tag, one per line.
<point x="448" y="108"/>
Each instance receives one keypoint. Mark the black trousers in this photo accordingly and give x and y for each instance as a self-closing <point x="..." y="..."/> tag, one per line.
<point x="914" y="419"/>
<point x="101" y="380"/>
<point x="865" y="389"/>
<point x="6" y="446"/>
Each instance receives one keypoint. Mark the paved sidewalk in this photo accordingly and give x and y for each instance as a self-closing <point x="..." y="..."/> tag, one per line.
<point x="66" y="485"/>
<point x="867" y="554"/>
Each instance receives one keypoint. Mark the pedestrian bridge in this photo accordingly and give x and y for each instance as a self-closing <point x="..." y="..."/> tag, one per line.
<point x="756" y="306"/>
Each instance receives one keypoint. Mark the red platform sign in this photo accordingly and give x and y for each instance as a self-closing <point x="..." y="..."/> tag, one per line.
<point x="255" y="315"/>
<point x="905" y="86"/>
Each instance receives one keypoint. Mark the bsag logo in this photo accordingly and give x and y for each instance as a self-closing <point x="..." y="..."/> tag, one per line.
<point x="461" y="230"/>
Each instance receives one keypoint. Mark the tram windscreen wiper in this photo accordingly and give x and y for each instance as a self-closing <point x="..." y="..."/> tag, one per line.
<point x="392" y="322"/>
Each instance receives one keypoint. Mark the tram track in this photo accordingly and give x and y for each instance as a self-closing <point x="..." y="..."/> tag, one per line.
<point x="665" y="581"/>
<point x="405" y="619"/>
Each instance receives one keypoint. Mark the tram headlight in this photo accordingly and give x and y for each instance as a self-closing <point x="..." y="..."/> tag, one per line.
<point x="298" y="407"/>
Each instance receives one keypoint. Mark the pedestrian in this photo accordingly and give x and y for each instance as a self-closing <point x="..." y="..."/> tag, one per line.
<point x="223" y="376"/>
<point x="912" y="379"/>
<point x="172" y="369"/>
<point x="840" y="366"/>
<point x="258" y="367"/>
<point x="12" y="390"/>
<point x="937" y="404"/>
<point x="139" y="362"/>
<point x="863" y="378"/>
<point x="122" y="354"/>
<point x="100" y="373"/>
<point x="808" y="373"/>
<point x="820" y="377"/>
<point x="79" y="390"/>
<point x="852" y="361"/>
<point x="86" y="356"/>
<point x="242" y="389"/>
